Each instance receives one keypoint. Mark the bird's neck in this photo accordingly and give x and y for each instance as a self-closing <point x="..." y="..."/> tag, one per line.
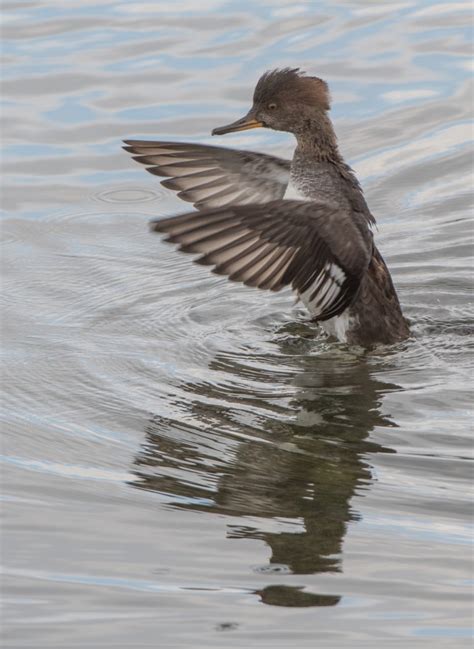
<point x="317" y="140"/>
<point x="318" y="169"/>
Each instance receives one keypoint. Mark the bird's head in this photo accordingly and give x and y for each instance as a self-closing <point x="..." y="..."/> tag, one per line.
<point x="283" y="100"/>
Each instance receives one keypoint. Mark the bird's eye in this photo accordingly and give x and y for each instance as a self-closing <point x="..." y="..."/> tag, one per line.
<point x="272" y="106"/>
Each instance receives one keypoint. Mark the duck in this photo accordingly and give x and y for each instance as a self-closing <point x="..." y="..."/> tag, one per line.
<point x="271" y="223"/>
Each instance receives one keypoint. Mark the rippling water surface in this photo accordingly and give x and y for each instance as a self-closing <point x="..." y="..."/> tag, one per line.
<point x="188" y="462"/>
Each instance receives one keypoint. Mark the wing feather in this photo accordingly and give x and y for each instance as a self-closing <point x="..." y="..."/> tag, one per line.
<point x="211" y="176"/>
<point x="322" y="251"/>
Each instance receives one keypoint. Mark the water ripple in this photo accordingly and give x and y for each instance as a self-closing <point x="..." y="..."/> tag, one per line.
<point x="171" y="436"/>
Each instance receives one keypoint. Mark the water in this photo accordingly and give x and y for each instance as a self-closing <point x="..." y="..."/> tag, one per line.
<point x="188" y="462"/>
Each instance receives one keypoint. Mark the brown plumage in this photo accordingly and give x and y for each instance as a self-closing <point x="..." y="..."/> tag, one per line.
<point x="279" y="244"/>
<point x="211" y="176"/>
<point x="251" y="229"/>
<point x="291" y="85"/>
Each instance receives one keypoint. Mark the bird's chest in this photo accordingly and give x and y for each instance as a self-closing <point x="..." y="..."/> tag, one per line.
<point x="315" y="181"/>
<point x="295" y="190"/>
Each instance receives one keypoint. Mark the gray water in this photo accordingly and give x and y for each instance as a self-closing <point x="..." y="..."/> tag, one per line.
<point x="188" y="462"/>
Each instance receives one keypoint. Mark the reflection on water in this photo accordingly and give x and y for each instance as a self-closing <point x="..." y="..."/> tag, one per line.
<point x="178" y="449"/>
<point x="297" y="474"/>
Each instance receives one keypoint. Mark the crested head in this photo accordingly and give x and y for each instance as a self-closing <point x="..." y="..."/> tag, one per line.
<point x="291" y="85"/>
<point x="289" y="100"/>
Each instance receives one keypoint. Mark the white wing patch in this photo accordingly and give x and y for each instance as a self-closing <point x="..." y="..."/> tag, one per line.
<point x="280" y="244"/>
<point x="324" y="290"/>
<point x="340" y="326"/>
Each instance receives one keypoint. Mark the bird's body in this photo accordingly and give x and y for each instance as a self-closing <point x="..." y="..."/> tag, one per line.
<point x="375" y="315"/>
<point x="269" y="223"/>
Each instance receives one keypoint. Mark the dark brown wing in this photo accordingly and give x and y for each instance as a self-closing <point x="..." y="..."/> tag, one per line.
<point x="320" y="250"/>
<point x="211" y="176"/>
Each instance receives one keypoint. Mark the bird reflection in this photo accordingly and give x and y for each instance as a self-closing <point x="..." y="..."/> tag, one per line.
<point x="280" y="452"/>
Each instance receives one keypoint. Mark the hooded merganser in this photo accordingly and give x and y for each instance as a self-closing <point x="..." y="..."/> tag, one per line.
<point x="270" y="223"/>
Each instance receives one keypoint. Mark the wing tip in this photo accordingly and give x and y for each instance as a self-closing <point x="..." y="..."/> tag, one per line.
<point x="154" y="226"/>
<point x="156" y="171"/>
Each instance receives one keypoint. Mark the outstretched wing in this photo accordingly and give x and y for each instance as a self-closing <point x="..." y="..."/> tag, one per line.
<point x="211" y="176"/>
<point x="322" y="251"/>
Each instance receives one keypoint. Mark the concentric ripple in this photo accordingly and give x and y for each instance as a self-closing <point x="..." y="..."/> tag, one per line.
<point x="188" y="462"/>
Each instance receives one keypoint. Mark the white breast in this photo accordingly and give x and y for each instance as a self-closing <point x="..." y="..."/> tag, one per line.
<point x="293" y="193"/>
